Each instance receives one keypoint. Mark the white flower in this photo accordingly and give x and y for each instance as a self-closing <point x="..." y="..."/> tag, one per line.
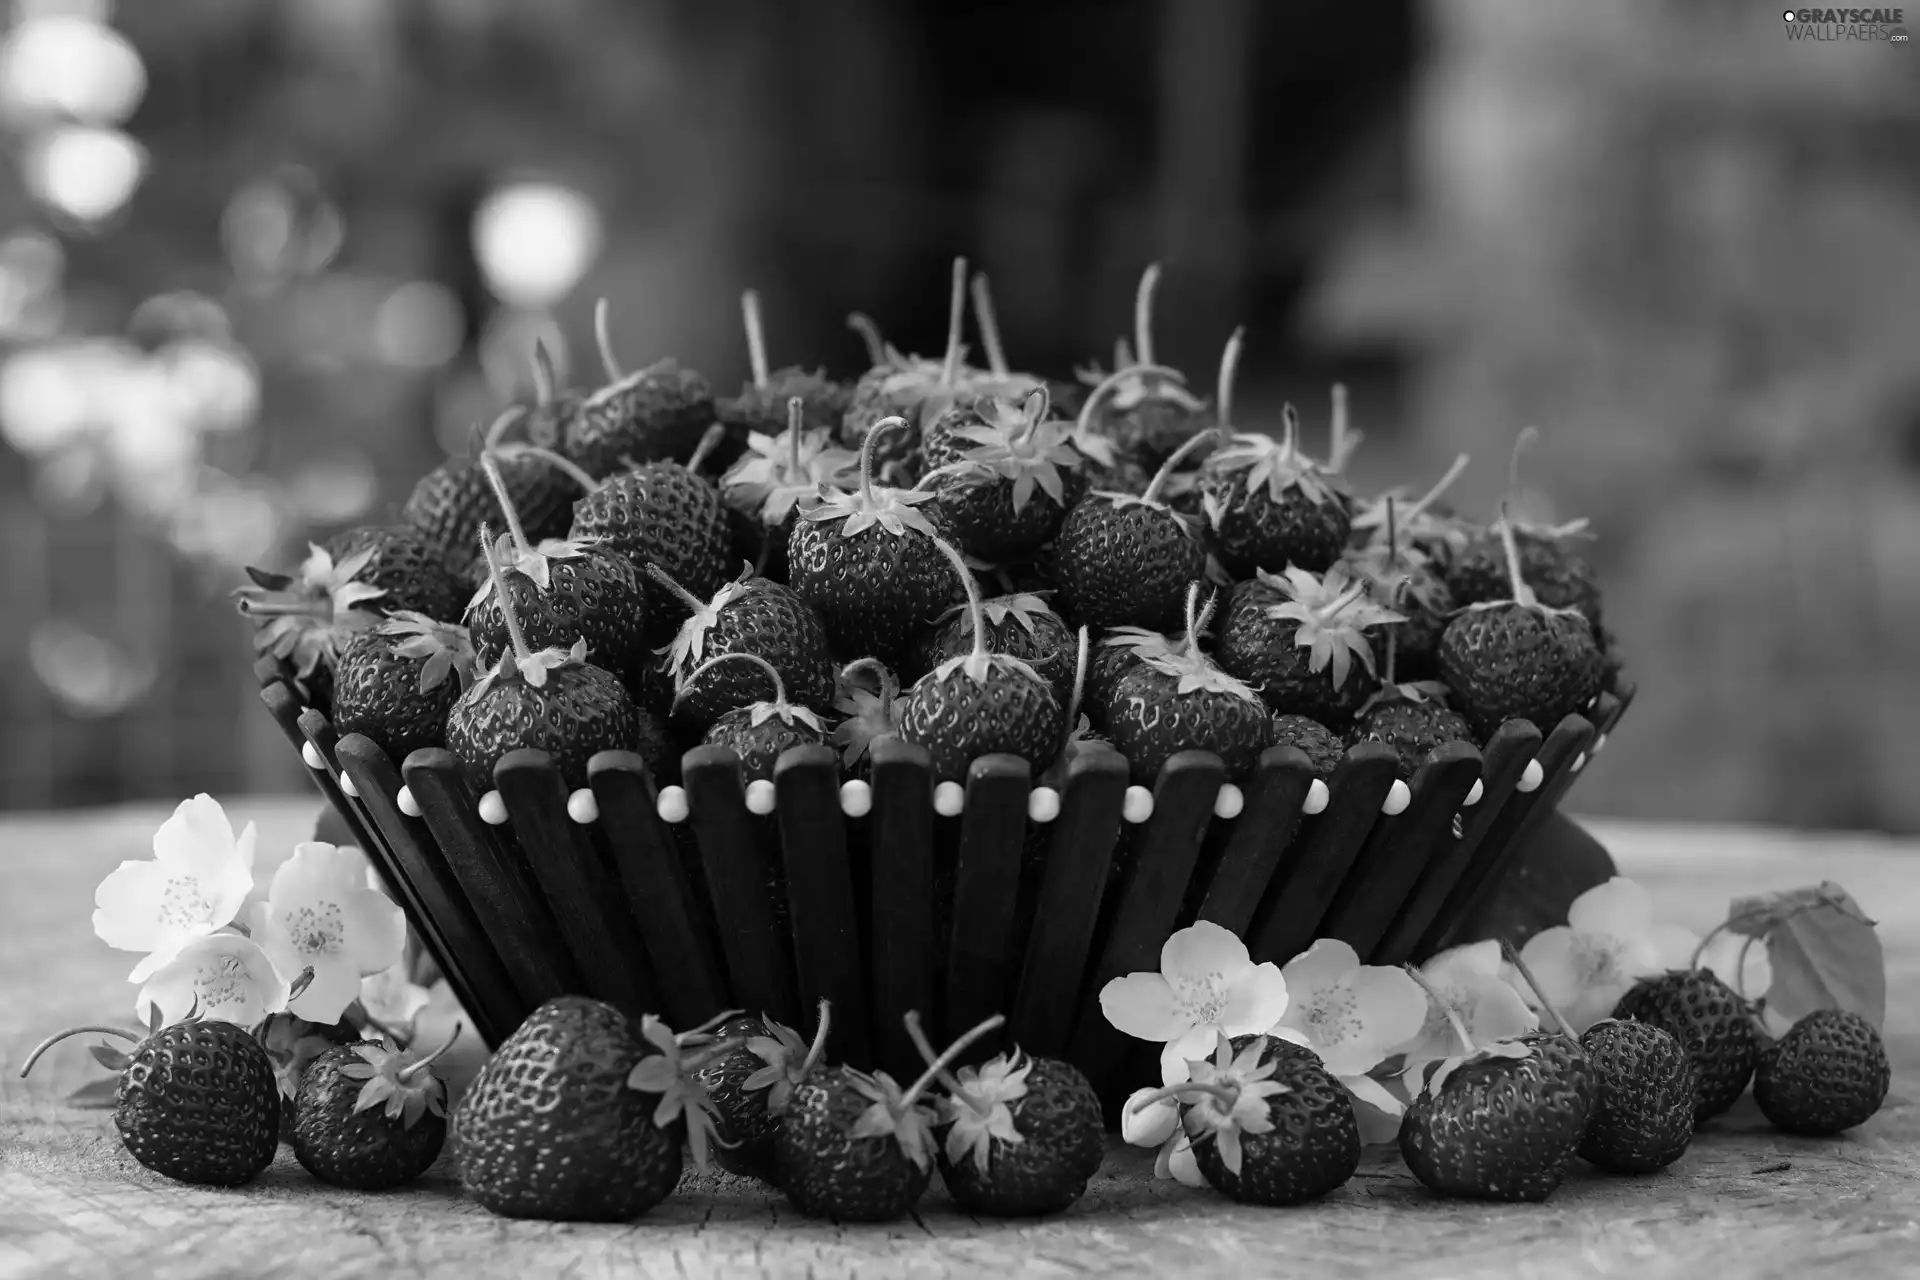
<point x="222" y="977"/>
<point x="392" y="999"/>
<point x="1353" y="1015"/>
<point x="1739" y="961"/>
<point x="1207" y="985"/>
<point x="319" y="914"/>
<point x="196" y="882"/>
<point x="1470" y="982"/>
<point x="1149" y="1118"/>
<point x="1609" y="942"/>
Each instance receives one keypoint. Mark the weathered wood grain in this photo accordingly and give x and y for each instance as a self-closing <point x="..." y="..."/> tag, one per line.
<point x="1745" y="1201"/>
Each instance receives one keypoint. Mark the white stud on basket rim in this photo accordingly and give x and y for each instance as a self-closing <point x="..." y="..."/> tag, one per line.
<point x="1043" y="804"/>
<point x="1229" y="802"/>
<point x="760" y="797"/>
<point x="856" y="798"/>
<point x="949" y="798"/>
<point x="583" y="807"/>
<point x="493" y="810"/>
<point x="311" y="754"/>
<point x="1580" y="762"/>
<point x="671" y="804"/>
<point x="1598" y="743"/>
<point x="408" y="805"/>
<point x="1399" y="796"/>
<point x="346" y="785"/>
<point x="1138" y="806"/>
<point x="1317" y="798"/>
<point x="1478" y="793"/>
<point x="1533" y="777"/>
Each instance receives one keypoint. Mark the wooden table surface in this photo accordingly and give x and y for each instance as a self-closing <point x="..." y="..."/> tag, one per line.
<point x="1744" y="1201"/>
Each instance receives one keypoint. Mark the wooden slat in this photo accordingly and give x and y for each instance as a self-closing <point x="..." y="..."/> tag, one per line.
<point x="742" y="879"/>
<point x="1154" y="880"/>
<point x="435" y="905"/>
<point x="1355" y="793"/>
<point x="1260" y="836"/>
<point x="1569" y="738"/>
<point x="900" y="871"/>
<point x="499" y="887"/>
<point x="1399" y="849"/>
<point x="1503" y="761"/>
<point x="672" y="922"/>
<point x="1085" y="836"/>
<point x="285" y="708"/>
<point x="268" y="670"/>
<point x="580" y="889"/>
<point x="982" y="962"/>
<point x="826" y="939"/>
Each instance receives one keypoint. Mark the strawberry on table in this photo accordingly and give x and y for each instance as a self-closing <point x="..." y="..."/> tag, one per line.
<point x="752" y="1086"/>
<point x="1828" y="1074"/>
<point x="1643" y="1112"/>
<point x="371" y="1115"/>
<point x="1712" y="1024"/>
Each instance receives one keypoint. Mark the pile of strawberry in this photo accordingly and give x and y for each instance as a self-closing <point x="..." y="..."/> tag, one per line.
<point x="972" y="559"/>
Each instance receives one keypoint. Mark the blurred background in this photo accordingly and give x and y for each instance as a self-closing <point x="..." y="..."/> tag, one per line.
<point x="263" y="262"/>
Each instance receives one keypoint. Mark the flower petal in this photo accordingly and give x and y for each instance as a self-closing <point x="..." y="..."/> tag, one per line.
<point x="1667" y="946"/>
<point x="126" y="912"/>
<point x="1392" y="1007"/>
<point x="221" y="976"/>
<point x="1552" y="956"/>
<point x="1463" y="963"/>
<point x="1619" y="907"/>
<point x="1152" y="1124"/>
<point x="1321" y="964"/>
<point x="334" y="987"/>
<point x="1377" y="1108"/>
<point x="1194" y="1046"/>
<point x="1255" y="1001"/>
<point x="1141" y="1005"/>
<point x="376" y="931"/>
<point x="1203" y="952"/>
<point x="1496" y="1012"/>
<point x="1184" y="1168"/>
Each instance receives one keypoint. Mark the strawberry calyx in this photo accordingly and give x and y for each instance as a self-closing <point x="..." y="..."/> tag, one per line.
<point x="1017" y="445"/>
<point x="1225" y="1097"/>
<point x="442" y="648"/>
<point x="1024" y="607"/>
<point x="1187" y="661"/>
<point x="894" y="510"/>
<point x="306" y="619"/>
<point x="531" y="666"/>
<point x="1274" y="466"/>
<point x="898" y="1113"/>
<point x="760" y="712"/>
<point x="689" y="644"/>
<point x="515" y="551"/>
<point x="1332" y="614"/>
<point x="977" y="1108"/>
<point x="1521" y="593"/>
<point x="670" y="1073"/>
<point x="1388" y="534"/>
<point x="869" y="715"/>
<point x="979" y="664"/>
<point x="397" y="1080"/>
<point x="790" y="1060"/>
<point x="779" y="474"/>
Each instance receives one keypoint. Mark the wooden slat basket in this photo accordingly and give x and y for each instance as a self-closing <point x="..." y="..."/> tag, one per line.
<point x="899" y="895"/>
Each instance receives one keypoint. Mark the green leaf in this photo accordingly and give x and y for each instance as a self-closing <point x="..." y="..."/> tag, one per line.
<point x="1824" y="951"/>
<point x="96" y="1095"/>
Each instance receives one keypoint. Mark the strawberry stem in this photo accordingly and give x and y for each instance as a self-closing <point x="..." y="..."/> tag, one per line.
<point x="500" y="425"/>
<point x="58" y="1036"/>
<point x="779" y="699"/>
<point x="956" y="317"/>
<point x="1223" y="393"/>
<point x="520" y="650"/>
<point x="976" y="608"/>
<point x="491" y="465"/>
<point x="680" y="593"/>
<point x="1521" y="443"/>
<point x="940" y="1063"/>
<point x="1197" y="615"/>
<point x="796" y="419"/>
<point x="1289" y="430"/>
<point x="1079" y="680"/>
<point x="545" y="384"/>
<point x="603" y="338"/>
<point x="708" y="443"/>
<point x="1522" y="593"/>
<point x="1393" y="535"/>
<point x="564" y="465"/>
<point x="756" y="337"/>
<point x="889" y="685"/>
<point x="286" y="608"/>
<point x="866" y="453"/>
<point x="947" y="1079"/>
<point x="1034" y="410"/>
<point x="1744" y="917"/>
<point x="989" y="326"/>
<point x="1512" y="954"/>
<point x="1333" y="607"/>
<point x="1167" y="468"/>
<point x="1446" y="1007"/>
<point x="1226" y="1095"/>
<point x="869" y="332"/>
<point x="411" y="1069"/>
<point x="1112" y="382"/>
<point x="1440" y="486"/>
<point x="1337" y="432"/>
<point x="819" y="1046"/>
<point x="1143" y="312"/>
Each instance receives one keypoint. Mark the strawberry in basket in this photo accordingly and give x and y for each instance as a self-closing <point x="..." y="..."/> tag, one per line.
<point x="1301" y="641"/>
<point x="456" y="497"/>
<point x="777" y="479"/>
<point x="1125" y="561"/>
<point x="760" y="732"/>
<point x="649" y="415"/>
<point x="750" y="615"/>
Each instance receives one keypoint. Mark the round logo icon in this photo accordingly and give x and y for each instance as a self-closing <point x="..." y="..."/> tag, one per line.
<point x="1789" y="15"/>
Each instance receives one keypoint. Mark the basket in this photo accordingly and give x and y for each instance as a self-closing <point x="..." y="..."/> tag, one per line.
<point x="900" y="895"/>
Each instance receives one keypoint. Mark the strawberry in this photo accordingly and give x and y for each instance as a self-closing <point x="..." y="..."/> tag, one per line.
<point x="1268" y="1125"/>
<point x="370" y="1116"/>
<point x="1426" y="527"/>
<point x="982" y="702"/>
<point x="1295" y="639"/>
<point x="1268" y="505"/>
<point x="1118" y="653"/>
<point x="196" y="1100"/>
<point x="1323" y="751"/>
<point x="1176" y="699"/>
<point x="870" y="715"/>
<point x="453" y="499"/>
<point x="1712" y="1024"/>
<point x="1412" y="718"/>
<point x="1017" y="1136"/>
<point x="1643" y="1114"/>
<point x="1519" y="659"/>
<point x="1828" y="1074"/>
<point x="1482" y="568"/>
<point x="562" y="590"/>
<point x="780" y="476"/>
<point x="1500" y="1121"/>
<point x="867" y="563"/>
<point x="666" y="514"/>
<point x="306" y="621"/>
<point x="1124" y="561"/>
<point x="752" y="1086"/>
<point x="1019" y="625"/>
<point x="856" y="1147"/>
<point x="762" y="731"/>
<point x="580" y="1115"/>
<point x="650" y="415"/>
<point x="391" y="683"/>
<point x="1144" y="409"/>
<point x="550" y="699"/>
<point x="764" y="402"/>
<point x="1002" y="476"/>
<point x="747" y="616"/>
<point x="1396" y="570"/>
<point x="546" y="421"/>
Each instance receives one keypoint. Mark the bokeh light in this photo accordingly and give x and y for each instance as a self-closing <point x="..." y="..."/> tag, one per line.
<point x="70" y="66"/>
<point x="89" y="674"/>
<point x="85" y="173"/>
<point x="534" y="241"/>
<point x="420" y="325"/>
